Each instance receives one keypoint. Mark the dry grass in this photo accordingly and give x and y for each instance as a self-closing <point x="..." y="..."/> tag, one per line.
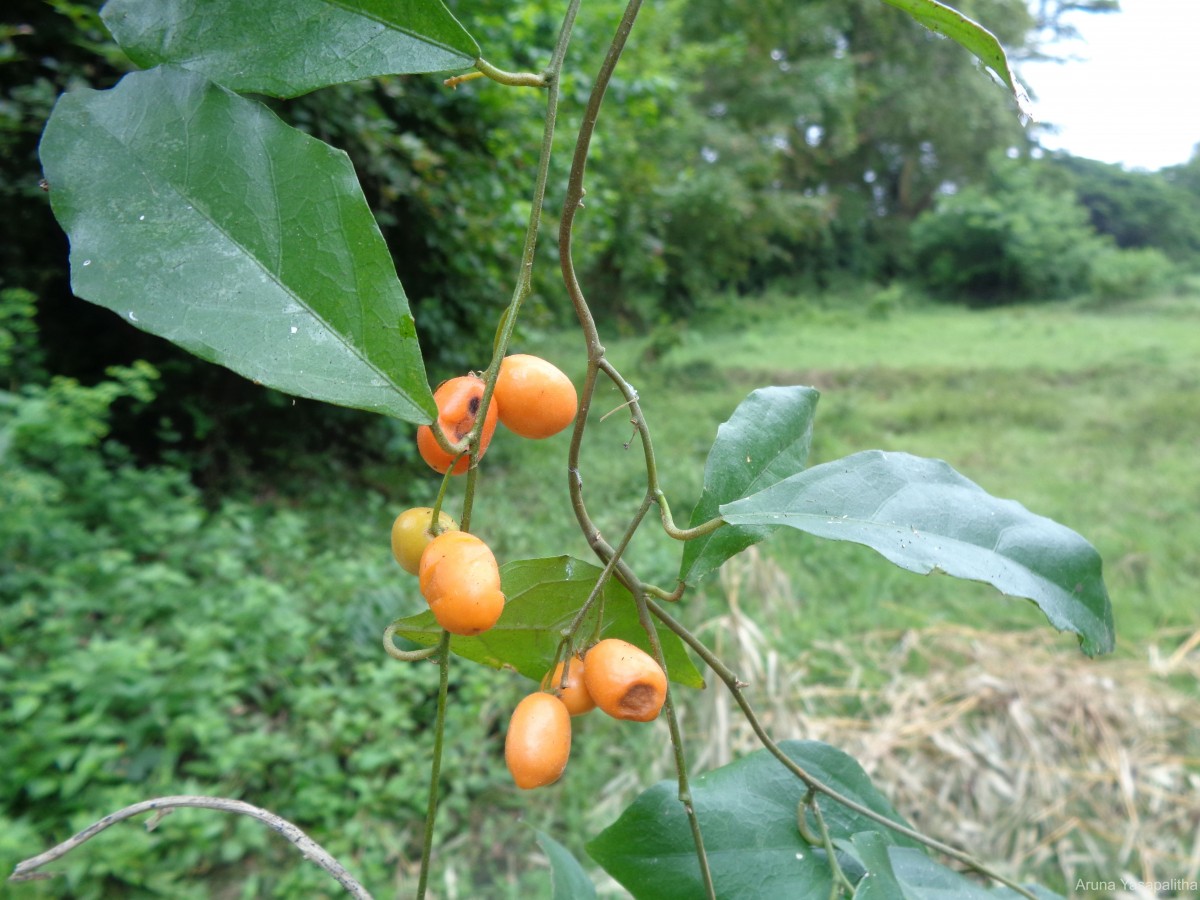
<point x="1051" y="766"/>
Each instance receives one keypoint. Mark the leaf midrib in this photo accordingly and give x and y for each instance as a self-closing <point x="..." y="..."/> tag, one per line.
<point x="203" y="213"/>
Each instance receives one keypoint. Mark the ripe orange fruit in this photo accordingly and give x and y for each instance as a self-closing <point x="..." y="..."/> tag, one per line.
<point x="536" y="399"/>
<point x="575" y="696"/>
<point x="411" y="534"/>
<point x="538" y="743"/>
<point x="458" y="401"/>
<point x="461" y="583"/>
<point x="624" y="680"/>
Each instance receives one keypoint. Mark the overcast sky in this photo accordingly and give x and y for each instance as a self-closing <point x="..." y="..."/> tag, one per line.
<point x="1134" y="96"/>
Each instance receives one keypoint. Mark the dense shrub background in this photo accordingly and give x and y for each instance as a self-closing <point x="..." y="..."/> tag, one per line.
<point x="150" y="645"/>
<point x="1025" y="234"/>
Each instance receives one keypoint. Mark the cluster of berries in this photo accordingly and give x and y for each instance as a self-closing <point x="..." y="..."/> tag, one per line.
<point x="532" y="397"/>
<point x="614" y="675"/>
<point x="460" y="579"/>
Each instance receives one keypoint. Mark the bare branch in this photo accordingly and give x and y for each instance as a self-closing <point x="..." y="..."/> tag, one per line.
<point x="309" y="849"/>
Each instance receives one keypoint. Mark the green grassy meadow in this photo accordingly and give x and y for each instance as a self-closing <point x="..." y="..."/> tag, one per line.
<point x="1090" y="417"/>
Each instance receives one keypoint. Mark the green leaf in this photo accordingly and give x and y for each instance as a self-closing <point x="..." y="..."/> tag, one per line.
<point x="284" y="48"/>
<point x="879" y="881"/>
<point x="925" y="517"/>
<point x="747" y="812"/>
<point x="765" y="440"/>
<point x="921" y="877"/>
<point x="199" y="216"/>
<point x="570" y="881"/>
<point x="972" y="36"/>
<point x="543" y="596"/>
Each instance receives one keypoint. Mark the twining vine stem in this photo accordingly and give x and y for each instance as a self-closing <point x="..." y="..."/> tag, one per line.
<point x="685" y="790"/>
<point x="435" y="766"/>
<point x="395" y="652"/>
<point x="736" y="686"/>
<point x="606" y="573"/>
<point x="596" y="363"/>
<point x="309" y="849"/>
<point x="549" y="79"/>
<point x="825" y="840"/>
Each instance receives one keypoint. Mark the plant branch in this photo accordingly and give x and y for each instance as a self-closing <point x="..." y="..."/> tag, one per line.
<point x="596" y="363"/>
<point x="309" y="849"/>
<point x="524" y="283"/>
<point x="595" y="350"/>
<point x="735" y="687"/>
<point x="435" y="516"/>
<point x="614" y="560"/>
<point x="603" y="550"/>
<point x="435" y="767"/>
<point x="839" y="877"/>
<point x="685" y="790"/>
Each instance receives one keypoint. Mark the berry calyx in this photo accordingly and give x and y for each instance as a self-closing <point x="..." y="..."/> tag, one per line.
<point x="458" y="401"/>
<point x="538" y="743"/>
<point x="412" y="532"/>
<point x="461" y="583"/>
<point x="624" y="680"/>
<point x="536" y="399"/>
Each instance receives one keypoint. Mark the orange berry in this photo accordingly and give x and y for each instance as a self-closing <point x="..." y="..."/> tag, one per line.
<point x="624" y="680"/>
<point x="461" y="583"/>
<point x="538" y="743"/>
<point x="458" y="401"/>
<point x="411" y="534"/>
<point x="536" y="399"/>
<point x="575" y="696"/>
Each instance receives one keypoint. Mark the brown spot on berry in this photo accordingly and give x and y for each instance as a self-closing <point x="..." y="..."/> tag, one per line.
<point x="639" y="700"/>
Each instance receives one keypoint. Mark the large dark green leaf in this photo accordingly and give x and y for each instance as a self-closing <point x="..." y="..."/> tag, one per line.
<point x="289" y="47"/>
<point x="747" y="813"/>
<point x="920" y="877"/>
<point x="765" y="440"/>
<point x="570" y="881"/>
<point x="199" y="216"/>
<point x="878" y="882"/>
<point x="543" y="596"/>
<point x="969" y="34"/>
<point x="925" y="517"/>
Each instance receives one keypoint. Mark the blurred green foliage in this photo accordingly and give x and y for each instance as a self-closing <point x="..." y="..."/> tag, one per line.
<point x="1019" y="237"/>
<point x="1031" y="231"/>
<point x="1140" y="209"/>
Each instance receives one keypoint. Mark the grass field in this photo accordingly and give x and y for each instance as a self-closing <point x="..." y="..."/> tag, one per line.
<point x="1091" y="417"/>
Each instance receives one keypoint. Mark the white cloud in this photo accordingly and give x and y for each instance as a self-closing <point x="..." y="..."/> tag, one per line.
<point x="1134" y="96"/>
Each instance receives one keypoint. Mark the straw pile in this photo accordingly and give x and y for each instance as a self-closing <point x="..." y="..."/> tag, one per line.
<point x="1048" y="765"/>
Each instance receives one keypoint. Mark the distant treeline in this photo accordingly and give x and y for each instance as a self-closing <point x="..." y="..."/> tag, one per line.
<point x="817" y="142"/>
